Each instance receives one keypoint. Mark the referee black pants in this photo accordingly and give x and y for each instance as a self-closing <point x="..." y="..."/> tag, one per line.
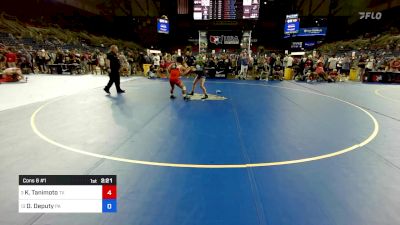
<point x="114" y="78"/>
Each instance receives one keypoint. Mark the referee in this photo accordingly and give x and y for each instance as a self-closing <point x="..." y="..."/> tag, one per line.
<point x="113" y="65"/>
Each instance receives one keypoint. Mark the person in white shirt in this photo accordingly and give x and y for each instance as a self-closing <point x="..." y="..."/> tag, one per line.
<point x="332" y="61"/>
<point x="102" y="63"/>
<point x="370" y="64"/>
<point x="289" y="61"/>
<point x="156" y="61"/>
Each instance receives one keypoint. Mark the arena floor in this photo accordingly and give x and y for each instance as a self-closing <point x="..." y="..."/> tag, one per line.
<point x="269" y="153"/>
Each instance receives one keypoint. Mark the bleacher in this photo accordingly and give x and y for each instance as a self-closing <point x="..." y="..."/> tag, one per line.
<point x="51" y="44"/>
<point x="7" y="39"/>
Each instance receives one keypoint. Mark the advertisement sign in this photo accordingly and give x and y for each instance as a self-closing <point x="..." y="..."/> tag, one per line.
<point x="308" y="32"/>
<point x="297" y="45"/>
<point x="292" y="28"/>
<point x="292" y="16"/>
<point x="309" y="44"/>
<point x="224" y="40"/>
<point x="312" y="31"/>
<point x="216" y="40"/>
<point x="292" y="24"/>
<point x="163" y="26"/>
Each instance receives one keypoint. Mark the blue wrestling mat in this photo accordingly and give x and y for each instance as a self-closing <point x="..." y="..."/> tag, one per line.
<point x="265" y="153"/>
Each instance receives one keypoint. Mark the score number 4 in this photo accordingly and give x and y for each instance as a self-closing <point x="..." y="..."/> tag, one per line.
<point x="109" y="198"/>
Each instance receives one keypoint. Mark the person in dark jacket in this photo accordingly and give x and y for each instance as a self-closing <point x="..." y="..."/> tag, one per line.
<point x="113" y="65"/>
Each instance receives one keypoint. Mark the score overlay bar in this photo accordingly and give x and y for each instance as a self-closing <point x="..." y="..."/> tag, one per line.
<point x="67" y="194"/>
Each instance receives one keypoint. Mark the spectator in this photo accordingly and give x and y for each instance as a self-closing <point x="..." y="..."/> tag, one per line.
<point x="124" y="65"/>
<point x="288" y="60"/>
<point x="332" y="61"/>
<point x="381" y="64"/>
<point x="395" y="65"/>
<point x="67" y="57"/>
<point x="94" y="62"/>
<point x="24" y="63"/>
<point x="346" y="66"/>
<point x="131" y="62"/>
<point x="59" y="57"/>
<point x="370" y="64"/>
<point x="272" y="61"/>
<point x="141" y="61"/>
<point x="85" y="62"/>
<point x="190" y="59"/>
<point x="308" y="64"/>
<point x="260" y="66"/>
<point x="147" y="59"/>
<point x="41" y="61"/>
<point x="59" y="60"/>
<point x="102" y="63"/>
<point x="301" y="63"/>
<point x="244" y="65"/>
<point x="333" y="76"/>
<point x="361" y="66"/>
<point x="278" y="73"/>
<point x="320" y="71"/>
<point x="2" y="59"/>
<point x="29" y="59"/>
<point x="310" y="76"/>
<point x="339" y="64"/>
<point x="11" y="58"/>
<point x="156" y="61"/>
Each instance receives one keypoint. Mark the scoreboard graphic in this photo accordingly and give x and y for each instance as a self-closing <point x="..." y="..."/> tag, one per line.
<point x="67" y="194"/>
<point x="225" y="9"/>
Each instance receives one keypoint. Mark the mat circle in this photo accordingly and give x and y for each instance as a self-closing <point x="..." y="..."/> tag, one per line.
<point x="372" y="136"/>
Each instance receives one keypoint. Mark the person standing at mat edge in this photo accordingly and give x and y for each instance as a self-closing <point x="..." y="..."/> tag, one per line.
<point x="113" y="65"/>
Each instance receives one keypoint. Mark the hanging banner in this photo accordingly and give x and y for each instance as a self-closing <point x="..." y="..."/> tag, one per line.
<point x="223" y="39"/>
<point x="292" y="24"/>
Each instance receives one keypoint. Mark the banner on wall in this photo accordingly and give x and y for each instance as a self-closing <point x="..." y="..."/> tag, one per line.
<point x="309" y="32"/>
<point x="312" y="31"/>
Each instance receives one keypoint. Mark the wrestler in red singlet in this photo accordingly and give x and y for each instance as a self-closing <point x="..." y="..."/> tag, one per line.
<point x="175" y="72"/>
